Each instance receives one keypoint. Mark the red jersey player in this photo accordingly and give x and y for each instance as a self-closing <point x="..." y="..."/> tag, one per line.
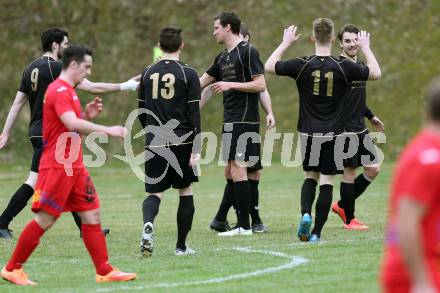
<point x="411" y="262"/>
<point x="64" y="183"/>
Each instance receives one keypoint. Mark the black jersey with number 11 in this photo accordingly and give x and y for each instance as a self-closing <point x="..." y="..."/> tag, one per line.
<point x="322" y="82"/>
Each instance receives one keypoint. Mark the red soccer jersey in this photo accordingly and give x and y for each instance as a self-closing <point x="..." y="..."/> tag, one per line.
<point x="61" y="147"/>
<point x="417" y="176"/>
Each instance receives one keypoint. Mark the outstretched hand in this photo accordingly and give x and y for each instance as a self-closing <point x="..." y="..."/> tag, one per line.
<point x="221" y="86"/>
<point x="94" y="108"/>
<point x="270" y="121"/>
<point x="377" y="124"/>
<point x="363" y="39"/>
<point x="117" y="131"/>
<point x="290" y="35"/>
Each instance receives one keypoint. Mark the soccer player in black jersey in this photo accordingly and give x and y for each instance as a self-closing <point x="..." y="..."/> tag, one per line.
<point x="322" y="81"/>
<point x="355" y="109"/>
<point x="238" y="73"/>
<point x="220" y="223"/>
<point x="169" y="96"/>
<point x="36" y="78"/>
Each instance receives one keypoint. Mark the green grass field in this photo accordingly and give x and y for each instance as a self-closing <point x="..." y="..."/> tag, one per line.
<point x="346" y="261"/>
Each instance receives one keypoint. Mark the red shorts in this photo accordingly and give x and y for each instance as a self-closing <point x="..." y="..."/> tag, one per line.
<point x="56" y="192"/>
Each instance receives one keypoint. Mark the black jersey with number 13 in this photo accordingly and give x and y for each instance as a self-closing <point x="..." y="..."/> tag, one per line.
<point x="166" y="89"/>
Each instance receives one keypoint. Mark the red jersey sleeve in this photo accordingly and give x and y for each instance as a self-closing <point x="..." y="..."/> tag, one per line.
<point x="64" y="102"/>
<point x="422" y="184"/>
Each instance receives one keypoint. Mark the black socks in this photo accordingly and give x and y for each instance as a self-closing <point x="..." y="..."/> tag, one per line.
<point x="322" y="207"/>
<point x="360" y="184"/>
<point x="255" y="195"/>
<point x="308" y="191"/>
<point x="227" y="201"/>
<point x="150" y="208"/>
<point x="185" y="214"/>
<point x="242" y="193"/>
<point x="16" y="204"/>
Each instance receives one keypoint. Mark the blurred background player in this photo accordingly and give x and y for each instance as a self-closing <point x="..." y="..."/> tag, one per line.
<point x="170" y="90"/>
<point x="238" y="73"/>
<point x="355" y="111"/>
<point x="220" y="223"/>
<point x="412" y="239"/>
<point x="63" y="187"/>
<point x="322" y="81"/>
<point x="36" y="78"/>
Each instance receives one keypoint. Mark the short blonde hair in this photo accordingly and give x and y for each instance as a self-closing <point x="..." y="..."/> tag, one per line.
<point x="323" y="30"/>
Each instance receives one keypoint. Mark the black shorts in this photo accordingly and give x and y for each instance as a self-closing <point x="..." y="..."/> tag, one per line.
<point x="318" y="154"/>
<point x="169" y="167"/>
<point x="37" y="145"/>
<point x="241" y="143"/>
<point x="363" y="149"/>
<point x="254" y="168"/>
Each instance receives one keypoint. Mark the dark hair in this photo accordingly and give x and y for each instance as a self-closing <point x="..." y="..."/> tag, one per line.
<point x="348" y="28"/>
<point x="433" y="100"/>
<point x="75" y="53"/>
<point x="170" y="39"/>
<point x="230" y="18"/>
<point x="323" y="30"/>
<point x="51" y="35"/>
<point x="244" y="30"/>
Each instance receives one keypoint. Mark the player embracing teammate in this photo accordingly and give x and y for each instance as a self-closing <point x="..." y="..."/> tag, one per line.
<point x="322" y="82"/>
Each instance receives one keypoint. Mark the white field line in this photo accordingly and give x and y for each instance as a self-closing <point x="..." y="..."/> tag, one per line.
<point x="293" y="244"/>
<point x="294" y="261"/>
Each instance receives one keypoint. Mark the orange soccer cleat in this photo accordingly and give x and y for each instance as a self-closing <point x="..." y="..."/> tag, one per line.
<point x="115" y="276"/>
<point x="339" y="211"/>
<point x="356" y="225"/>
<point x="17" y="277"/>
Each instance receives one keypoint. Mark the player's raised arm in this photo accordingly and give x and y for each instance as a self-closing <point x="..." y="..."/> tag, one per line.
<point x="373" y="65"/>
<point x="104" y="87"/>
<point x="19" y="101"/>
<point x="289" y="38"/>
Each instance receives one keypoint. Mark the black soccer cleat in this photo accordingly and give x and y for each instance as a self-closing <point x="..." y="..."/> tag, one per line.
<point x="105" y="231"/>
<point x="5" y="233"/>
<point x="259" y="228"/>
<point x="220" y="226"/>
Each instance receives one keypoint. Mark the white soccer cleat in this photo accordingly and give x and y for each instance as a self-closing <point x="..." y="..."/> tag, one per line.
<point x="187" y="251"/>
<point x="236" y="232"/>
<point x="147" y="240"/>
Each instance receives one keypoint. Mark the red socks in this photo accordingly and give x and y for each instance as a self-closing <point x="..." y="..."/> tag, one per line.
<point x="28" y="241"/>
<point x="95" y="243"/>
